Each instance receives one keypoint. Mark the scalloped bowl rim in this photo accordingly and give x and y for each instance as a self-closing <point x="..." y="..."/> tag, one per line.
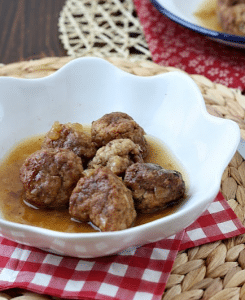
<point x="234" y="136"/>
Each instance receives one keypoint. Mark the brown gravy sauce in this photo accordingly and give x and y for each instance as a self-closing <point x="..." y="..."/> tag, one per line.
<point x="206" y="15"/>
<point x="14" y="209"/>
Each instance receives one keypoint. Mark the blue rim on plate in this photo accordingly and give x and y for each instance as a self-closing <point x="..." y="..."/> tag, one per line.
<point x="221" y="37"/>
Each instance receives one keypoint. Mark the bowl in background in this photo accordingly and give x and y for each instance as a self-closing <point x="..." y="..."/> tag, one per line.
<point x="183" y="13"/>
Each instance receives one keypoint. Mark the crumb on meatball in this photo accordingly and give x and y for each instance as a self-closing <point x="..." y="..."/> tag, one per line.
<point x="70" y="136"/>
<point x="102" y="198"/>
<point x="118" y="125"/>
<point x="153" y="186"/>
<point x="231" y="15"/>
<point x="49" y="176"/>
<point x="117" y="155"/>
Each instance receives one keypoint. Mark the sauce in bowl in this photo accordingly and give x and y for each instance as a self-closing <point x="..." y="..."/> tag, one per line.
<point x="207" y="16"/>
<point x="14" y="209"/>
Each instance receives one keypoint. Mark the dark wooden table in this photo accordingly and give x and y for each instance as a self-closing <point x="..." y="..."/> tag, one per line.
<point x="29" y="29"/>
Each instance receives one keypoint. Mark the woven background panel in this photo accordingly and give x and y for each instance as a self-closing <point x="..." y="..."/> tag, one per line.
<point x="211" y="271"/>
<point x="103" y="29"/>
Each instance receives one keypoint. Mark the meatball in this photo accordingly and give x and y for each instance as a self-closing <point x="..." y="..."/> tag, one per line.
<point x="117" y="155"/>
<point x="153" y="186"/>
<point x="231" y="15"/>
<point x="70" y="136"/>
<point x="102" y="198"/>
<point x="118" y="125"/>
<point x="49" y="176"/>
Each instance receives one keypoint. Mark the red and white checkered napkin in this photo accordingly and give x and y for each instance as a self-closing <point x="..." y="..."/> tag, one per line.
<point x="173" y="45"/>
<point x="136" y="273"/>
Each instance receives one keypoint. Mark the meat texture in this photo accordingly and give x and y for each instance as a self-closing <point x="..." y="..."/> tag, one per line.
<point x="153" y="186"/>
<point x="102" y="198"/>
<point x="49" y="176"/>
<point x="231" y="15"/>
<point x="117" y="155"/>
<point x="70" y="136"/>
<point x="118" y="125"/>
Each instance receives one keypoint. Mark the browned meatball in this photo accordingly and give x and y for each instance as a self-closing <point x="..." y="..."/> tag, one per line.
<point x="70" y="136"/>
<point x="118" y="125"/>
<point x="49" y="176"/>
<point x="153" y="187"/>
<point x="102" y="198"/>
<point x="230" y="2"/>
<point x="117" y="155"/>
<point x="231" y="15"/>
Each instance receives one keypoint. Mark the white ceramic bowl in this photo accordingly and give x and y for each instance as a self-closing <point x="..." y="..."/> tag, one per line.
<point x="168" y="106"/>
<point x="183" y="13"/>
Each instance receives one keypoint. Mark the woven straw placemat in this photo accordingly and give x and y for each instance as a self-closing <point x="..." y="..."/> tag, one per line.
<point x="211" y="271"/>
<point x="102" y="28"/>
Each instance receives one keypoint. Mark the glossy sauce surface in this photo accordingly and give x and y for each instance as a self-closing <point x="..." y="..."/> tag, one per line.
<point x="14" y="209"/>
<point x="206" y="15"/>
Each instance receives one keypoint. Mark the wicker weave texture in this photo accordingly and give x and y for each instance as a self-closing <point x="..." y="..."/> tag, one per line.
<point x="102" y="29"/>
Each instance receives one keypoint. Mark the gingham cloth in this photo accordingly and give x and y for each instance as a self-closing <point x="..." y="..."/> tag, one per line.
<point x="134" y="274"/>
<point x="173" y="45"/>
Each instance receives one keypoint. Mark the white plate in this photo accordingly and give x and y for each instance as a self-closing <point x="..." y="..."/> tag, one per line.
<point x="168" y="106"/>
<point x="182" y="12"/>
